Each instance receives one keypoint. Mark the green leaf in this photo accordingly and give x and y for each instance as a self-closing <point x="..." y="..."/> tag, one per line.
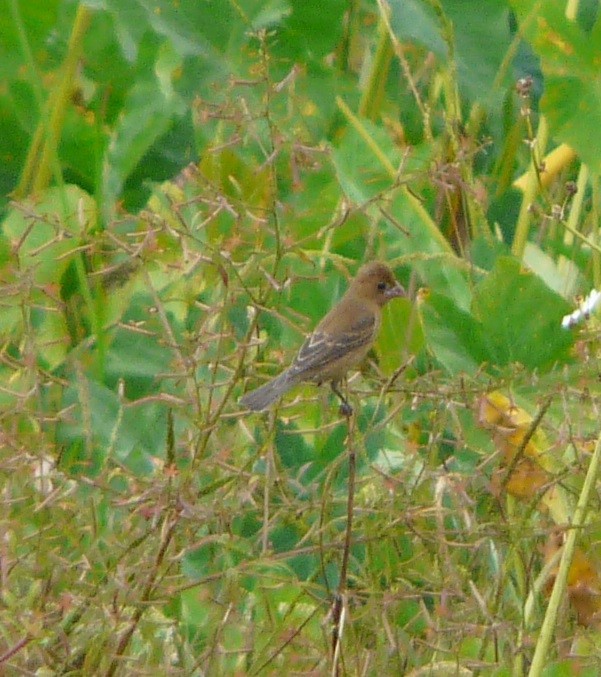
<point x="198" y="562"/>
<point x="400" y="334"/>
<point x="101" y="422"/>
<point x="481" y="38"/>
<point x="309" y="31"/>
<point x="416" y="21"/>
<point x="291" y="446"/>
<point x="53" y="340"/>
<point x="454" y="336"/>
<point x="147" y="115"/>
<point x="521" y="317"/>
<point x="361" y="172"/>
<point x="42" y="232"/>
<point x="136" y="358"/>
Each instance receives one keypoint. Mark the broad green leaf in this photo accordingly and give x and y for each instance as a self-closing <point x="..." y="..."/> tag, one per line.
<point x="400" y="335"/>
<point x="137" y="358"/>
<point x="361" y="161"/>
<point x="36" y="19"/>
<point x="43" y="232"/>
<point x="314" y="207"/>
<point x="416" y="21"/>
<point x="311" y="30"/>
<point x="148" y="113"/>
<point x="199" y="562"/>
<point x="562" y="277"/>
<point x="521" y="317"/>
<point x="101" y="423"/>
<point x="481" y="38"/>
<point x="53" y="340"/>
<point x="16" y="111"/>
<point x="291" y="446"/>
<point x="453" y="336"/>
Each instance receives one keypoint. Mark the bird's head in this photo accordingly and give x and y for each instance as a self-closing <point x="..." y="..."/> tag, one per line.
<point x="376" y="282"/>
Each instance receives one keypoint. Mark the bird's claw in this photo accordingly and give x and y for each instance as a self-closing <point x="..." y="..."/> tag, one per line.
<point x="346" y="410"/>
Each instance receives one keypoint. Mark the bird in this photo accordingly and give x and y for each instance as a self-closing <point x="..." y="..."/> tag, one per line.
<point x="340" y="341"/>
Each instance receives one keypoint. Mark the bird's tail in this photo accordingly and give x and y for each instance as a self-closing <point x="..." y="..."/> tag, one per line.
<point x="262" y="397"/>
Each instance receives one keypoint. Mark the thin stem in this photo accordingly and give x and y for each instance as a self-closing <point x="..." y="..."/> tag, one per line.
<point x="339" y="605"/>
<point x="541" y="653"/>
<point x="43" y="156"/>
<point x="531" y="190"/>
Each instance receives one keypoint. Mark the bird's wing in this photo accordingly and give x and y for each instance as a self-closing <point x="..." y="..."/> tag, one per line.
<point x="322" y="350"/>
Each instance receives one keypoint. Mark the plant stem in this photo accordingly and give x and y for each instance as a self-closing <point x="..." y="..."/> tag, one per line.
<point x="42" y="155"/>
<point x="530" y="191"/>
<point x="559" y="589"/>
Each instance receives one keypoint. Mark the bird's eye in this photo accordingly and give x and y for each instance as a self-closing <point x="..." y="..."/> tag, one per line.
<point x="381" y="286"/>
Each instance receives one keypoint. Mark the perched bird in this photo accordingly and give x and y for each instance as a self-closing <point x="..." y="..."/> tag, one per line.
<point x="341" y="340"/>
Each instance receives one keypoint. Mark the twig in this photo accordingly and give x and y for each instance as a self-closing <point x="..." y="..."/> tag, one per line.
<point x="144" y="598"/>
<point x="7" y="655"/>
<point x="527" y="437"/>
<point x="339" y="603"/>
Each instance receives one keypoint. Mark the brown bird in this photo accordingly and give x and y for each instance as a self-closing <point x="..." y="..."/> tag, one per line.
<point x="341" y="340"/>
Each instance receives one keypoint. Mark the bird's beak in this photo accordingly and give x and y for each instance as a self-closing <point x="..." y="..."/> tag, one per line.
<point x="395" y="292"/>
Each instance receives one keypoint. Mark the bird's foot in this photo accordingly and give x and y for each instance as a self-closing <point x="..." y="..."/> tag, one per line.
<point x="346" y="410"/>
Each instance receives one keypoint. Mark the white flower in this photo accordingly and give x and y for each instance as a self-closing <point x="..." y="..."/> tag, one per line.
<point x="583" y="311"/>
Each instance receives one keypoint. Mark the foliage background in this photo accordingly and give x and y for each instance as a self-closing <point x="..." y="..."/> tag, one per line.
<point x="189" y="186"/>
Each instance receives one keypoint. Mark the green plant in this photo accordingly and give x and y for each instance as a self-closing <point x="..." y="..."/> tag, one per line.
<point x="192" y="184"/>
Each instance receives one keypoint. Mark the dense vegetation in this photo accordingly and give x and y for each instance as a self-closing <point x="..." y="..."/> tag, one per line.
<point x="189" y="187"/>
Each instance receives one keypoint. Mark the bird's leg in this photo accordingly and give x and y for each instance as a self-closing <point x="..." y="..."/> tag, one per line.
<point x="345" y="408"/>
